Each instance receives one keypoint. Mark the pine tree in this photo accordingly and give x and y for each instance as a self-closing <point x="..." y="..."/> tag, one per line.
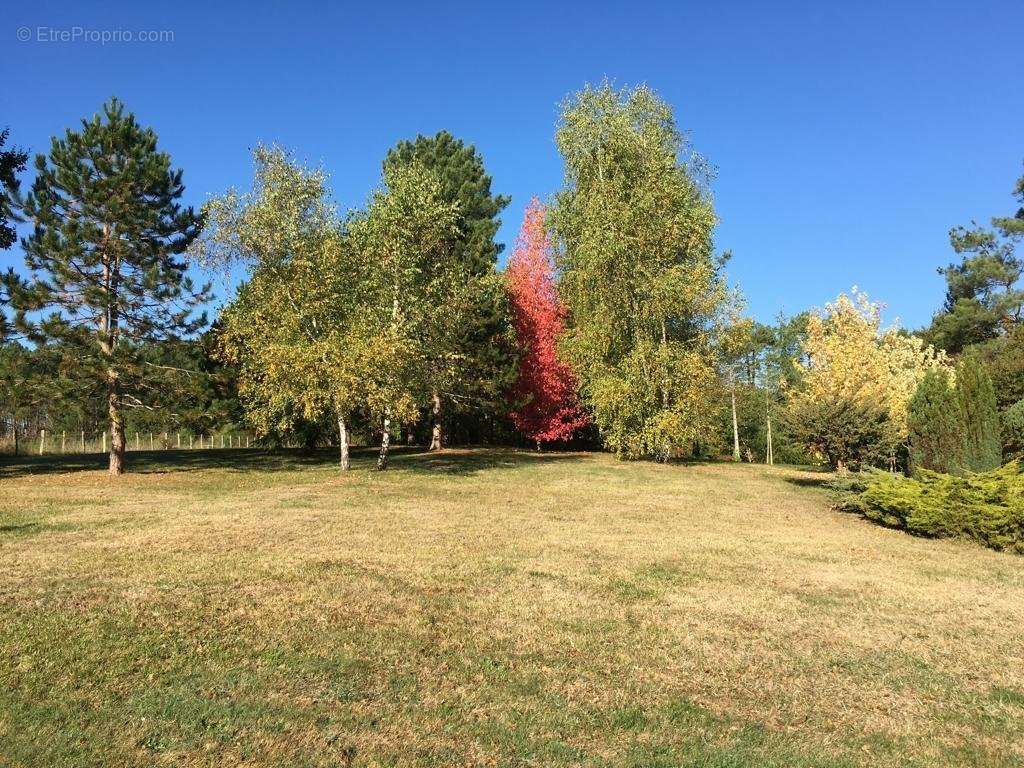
<point x="936" y="425"/>
<point x="106" y="254"/>
<point x="546" y="405"/>
<point x="977" y="399"/>
<point x="12" y="162"/>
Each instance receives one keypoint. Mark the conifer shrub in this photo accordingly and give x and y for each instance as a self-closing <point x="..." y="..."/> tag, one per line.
<point x="936" y="426"/>
<point x="987" y="507"/>
<point x="1013" y="431"/>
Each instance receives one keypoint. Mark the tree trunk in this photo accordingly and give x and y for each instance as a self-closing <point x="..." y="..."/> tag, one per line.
<point x="385" y="441"/>
<point x="770" y="457"/>
<point x="735" y="429"/>
<point x="116" y="429"/>
<point x="14" y="430"/>
<point x="343" y="443"/>
<point x="435" y="434"/>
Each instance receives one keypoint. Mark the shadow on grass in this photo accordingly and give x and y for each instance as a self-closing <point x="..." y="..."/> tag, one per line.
<point x="412" y="459"/>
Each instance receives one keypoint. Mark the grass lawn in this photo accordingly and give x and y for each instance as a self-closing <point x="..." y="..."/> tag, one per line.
<point x="489" y="608"/>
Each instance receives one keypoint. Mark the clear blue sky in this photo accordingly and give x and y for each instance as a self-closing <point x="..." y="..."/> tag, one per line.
<point x="848" y="137"/>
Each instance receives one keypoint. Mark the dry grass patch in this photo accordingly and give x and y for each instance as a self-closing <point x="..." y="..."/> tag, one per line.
<point x="490" y="608"/>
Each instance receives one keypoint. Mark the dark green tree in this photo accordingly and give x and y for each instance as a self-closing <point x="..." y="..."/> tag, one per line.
<point x="977" y="400"/>
<point x="935" y="421"/>
<point x="473" y="397"/>
<point x="12" y="162"/>
<point x="107" y="255"/>
<point x="1013" y="431"/>
<point x="984" y="296"/>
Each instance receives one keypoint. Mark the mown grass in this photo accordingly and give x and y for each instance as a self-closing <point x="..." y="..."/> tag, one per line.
<point x="489" y="607"/>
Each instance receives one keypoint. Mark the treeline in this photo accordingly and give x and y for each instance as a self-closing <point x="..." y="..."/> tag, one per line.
<point x="612" y="324"/>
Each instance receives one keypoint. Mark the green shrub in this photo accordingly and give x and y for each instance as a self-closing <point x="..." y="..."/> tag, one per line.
<point x="987" y="507"/>
<point x="1013" y="431"/>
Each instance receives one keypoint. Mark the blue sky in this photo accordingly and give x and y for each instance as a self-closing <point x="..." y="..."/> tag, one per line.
<point x="848" y="137"/>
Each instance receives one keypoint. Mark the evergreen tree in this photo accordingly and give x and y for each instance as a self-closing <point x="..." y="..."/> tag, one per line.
<point x="485" y="365"/>
<point x="12" y="162"/>
<point x="633" y="228"/>
<point x="936" y="424"/>
<point x="977" y="400"/>
<point x="106" y="254"/>
<point x="984" y="294"/>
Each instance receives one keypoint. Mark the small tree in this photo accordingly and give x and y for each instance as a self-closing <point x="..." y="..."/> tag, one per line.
<point x="936" y="425"/>
<point x="850" y="370"/>
<point x="546" y="407"/>
<point x="977" y="400"/>
<point x="105" y="253"/>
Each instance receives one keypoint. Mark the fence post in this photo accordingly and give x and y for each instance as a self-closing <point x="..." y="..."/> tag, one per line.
<point x="42" y="441"/>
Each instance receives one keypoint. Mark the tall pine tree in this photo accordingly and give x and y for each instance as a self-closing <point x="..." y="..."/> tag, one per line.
<point x="106" y="254"/>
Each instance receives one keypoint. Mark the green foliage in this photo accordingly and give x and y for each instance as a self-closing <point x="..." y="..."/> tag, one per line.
<point x="986" y="507"/>
<point x="12" y="162"/>
<point x="106" y="254"/>
<point x="633" y="233"/>
<point x="483" y="366"/>
<point x="937" y="430"/>
<point x="849" y="433"/>
<point x="292" y="330"/>
<point x="1003" y="358"/>
<point x="977" y="404"/>
<point x="463" y="180"/>
<point x="1013" y="430"/>
<point x="984" y="296"/>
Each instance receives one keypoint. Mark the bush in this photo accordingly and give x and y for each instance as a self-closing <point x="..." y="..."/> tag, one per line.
<point x="986" y="507"/>
<point x="1013" y="431"/>
<point x="846" y="433"/>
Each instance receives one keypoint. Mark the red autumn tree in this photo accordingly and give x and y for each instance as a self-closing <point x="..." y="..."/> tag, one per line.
<point x="546" y="405"/>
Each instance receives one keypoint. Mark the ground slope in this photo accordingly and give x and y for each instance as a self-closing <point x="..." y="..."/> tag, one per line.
<point x="489" y="608"/>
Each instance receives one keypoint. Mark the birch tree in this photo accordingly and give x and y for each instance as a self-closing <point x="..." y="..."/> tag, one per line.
<point x="414" y="293"/>
<point x="293" y="330"/>
<point x="633" y="227"/>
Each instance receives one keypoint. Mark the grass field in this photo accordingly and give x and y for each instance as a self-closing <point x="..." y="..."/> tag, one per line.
<point x="489" y="608"/>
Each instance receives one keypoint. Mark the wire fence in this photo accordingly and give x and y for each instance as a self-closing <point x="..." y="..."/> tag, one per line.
<point x="79" y="442"/>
